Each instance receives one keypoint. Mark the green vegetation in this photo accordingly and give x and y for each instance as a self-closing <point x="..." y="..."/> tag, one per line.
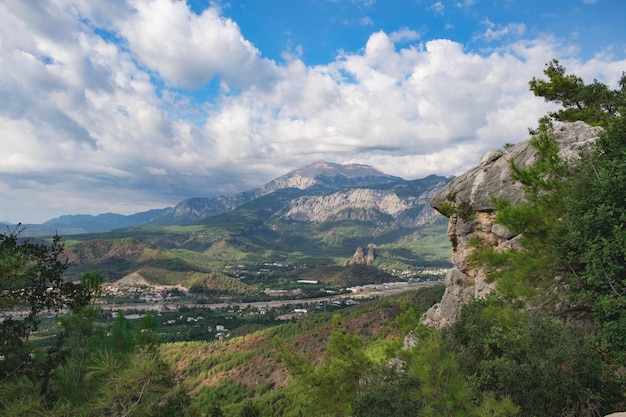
<point x="571" y="266"/>
<point x="249" y="372"/>
<point x="545" y="366"/>
<point x="591" y="234"/>
<point x="89" y="370"/>
<point x="593" y="103"/>
<point x="31" y="283"/>
<point x="464" y="210"/>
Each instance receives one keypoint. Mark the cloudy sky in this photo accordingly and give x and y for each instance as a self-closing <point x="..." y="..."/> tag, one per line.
<point x="126" y="105"/>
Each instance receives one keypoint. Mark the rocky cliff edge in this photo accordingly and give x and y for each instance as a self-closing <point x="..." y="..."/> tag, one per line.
<point x="471" y="194"/>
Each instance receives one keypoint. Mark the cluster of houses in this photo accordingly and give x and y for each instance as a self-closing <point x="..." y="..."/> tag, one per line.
<point x="146" y="294"/>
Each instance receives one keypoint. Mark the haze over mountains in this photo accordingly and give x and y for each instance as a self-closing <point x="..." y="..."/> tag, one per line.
<point x="317" y="192"/>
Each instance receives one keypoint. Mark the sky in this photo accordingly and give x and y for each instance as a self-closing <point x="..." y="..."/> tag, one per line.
<point x="128" y="105"/>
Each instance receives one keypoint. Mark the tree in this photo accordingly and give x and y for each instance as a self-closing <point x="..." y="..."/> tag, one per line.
<point x="593" y="103"/>
<point x="388" y="391"/>
<point x="530" y="272"/>
<point x="336" y="382"/>
<point x="31" y="281"/>
<point x="591" y="234"/>
<point x="136" y="384"/>
<point x="545" y="366"/>
<point x="443" y="389"/>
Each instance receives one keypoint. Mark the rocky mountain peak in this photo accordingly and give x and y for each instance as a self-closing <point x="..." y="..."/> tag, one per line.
<point x="323" y="168"/>
<point x="316" y="178"/>
<point x="329" y="175"/>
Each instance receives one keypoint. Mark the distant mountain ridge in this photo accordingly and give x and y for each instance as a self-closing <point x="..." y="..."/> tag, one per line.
<point x="318" y="192"/>
<point x="316" y="178"/>
<point x="85" y="223"/>
<point x="317" y="215"/>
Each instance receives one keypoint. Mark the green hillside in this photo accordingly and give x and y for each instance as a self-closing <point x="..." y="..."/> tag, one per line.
<point x="249" y="371"/>
<point x="176" y="254"/>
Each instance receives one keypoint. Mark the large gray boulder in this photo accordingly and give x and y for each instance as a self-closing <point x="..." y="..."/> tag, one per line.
<point x="473" y="192"/>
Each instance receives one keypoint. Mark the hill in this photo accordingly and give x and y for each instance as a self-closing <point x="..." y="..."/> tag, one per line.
<point x="86" y="223"/>
<point x="251" y="369"/>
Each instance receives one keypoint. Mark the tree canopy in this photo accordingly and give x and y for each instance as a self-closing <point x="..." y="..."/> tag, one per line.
<point x="594" y="103"/>
<point x="31" y="281"/>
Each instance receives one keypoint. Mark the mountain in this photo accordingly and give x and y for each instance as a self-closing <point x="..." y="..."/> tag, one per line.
<point x="317" y="215"/>
<point x="86" y="223"/>
<point x="107" y="221"/>
<point x="316" y="178"/>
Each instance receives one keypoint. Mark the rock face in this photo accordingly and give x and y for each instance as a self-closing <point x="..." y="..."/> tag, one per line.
<point x="473" y="221"/>
<point x="360" y="257"/>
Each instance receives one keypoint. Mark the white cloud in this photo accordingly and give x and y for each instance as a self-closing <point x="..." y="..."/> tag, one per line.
<point x="88" y="129"/>
<point x="438" y="8"/>
<point x="365" y="3"/>
<point x="366" y="21"/>
<point x="189" y="50"/>
<point x="397" y="105"/>
<point x="403" y="35"/>
<point x="466" y="3"/>
<point x="496" y="32"/>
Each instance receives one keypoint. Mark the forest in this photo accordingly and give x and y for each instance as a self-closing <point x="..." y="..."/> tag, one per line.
<point x="509" y="354"/>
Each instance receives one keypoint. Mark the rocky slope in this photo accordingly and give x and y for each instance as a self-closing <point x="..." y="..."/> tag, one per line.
<point x="473" y="191"/>
<point x="405" y="203"/>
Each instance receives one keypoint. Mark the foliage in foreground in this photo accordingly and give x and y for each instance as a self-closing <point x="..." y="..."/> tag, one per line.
<point x="90" y="370"/>
<point x="572" y="261"/>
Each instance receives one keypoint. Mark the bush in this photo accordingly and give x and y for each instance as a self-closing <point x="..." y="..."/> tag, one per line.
<point x="545" y="366"/>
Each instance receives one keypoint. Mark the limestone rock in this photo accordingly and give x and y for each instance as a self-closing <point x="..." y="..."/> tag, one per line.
<point x="360" y="257"/>
<point x="473" y="221"/>
<point x="492" y="177"/>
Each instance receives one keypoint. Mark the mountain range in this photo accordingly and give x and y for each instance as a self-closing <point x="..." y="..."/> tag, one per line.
<point x="320" y="191"/>
<point x="316" y="215"/>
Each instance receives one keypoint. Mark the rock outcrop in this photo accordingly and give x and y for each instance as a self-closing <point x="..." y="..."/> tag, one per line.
<point x="360" y="257"/>
<point x="471" y="194"/>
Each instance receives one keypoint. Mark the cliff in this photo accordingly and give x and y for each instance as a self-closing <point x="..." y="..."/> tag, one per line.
<point x="474" y="217"/>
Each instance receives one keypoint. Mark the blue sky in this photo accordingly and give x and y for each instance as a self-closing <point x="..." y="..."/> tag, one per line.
<point x="126" y="105"/>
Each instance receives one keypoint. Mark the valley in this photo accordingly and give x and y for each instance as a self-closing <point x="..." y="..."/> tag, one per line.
<point x="213" y="287"/>
<point x="271" y="237"/>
